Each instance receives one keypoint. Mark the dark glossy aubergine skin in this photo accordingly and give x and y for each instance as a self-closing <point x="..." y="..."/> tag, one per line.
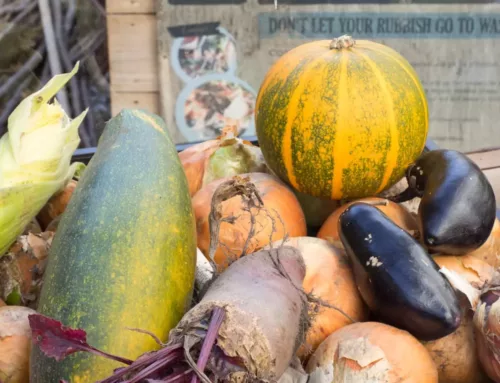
<point x="458" y="207"/>
<point x="406" y="289"/>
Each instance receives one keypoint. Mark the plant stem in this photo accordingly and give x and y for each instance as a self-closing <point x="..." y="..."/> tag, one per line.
<point x="218" y="315"/>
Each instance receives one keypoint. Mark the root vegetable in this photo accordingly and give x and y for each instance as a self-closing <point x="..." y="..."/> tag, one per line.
<point x="56" y="205"/>
<point x="247" y="327"/>
<point x="266" y="312"/>
<point x="225" y="156"/>
<point x="329" y="278"/>
<point x="15" y="344"/>
<point x="371" y="352"/>
<point x="251" y="211"/>
<point x="397" y="213"/>
<point x="455" y="355"/>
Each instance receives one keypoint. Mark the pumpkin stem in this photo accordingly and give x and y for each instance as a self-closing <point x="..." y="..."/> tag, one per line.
<point x="342" y="42"/>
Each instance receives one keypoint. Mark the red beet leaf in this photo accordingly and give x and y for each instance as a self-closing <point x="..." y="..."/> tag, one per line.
<point x="58" y="341"/>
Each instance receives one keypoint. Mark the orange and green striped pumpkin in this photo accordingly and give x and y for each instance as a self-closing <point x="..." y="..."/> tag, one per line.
<point x="341" y="119"/>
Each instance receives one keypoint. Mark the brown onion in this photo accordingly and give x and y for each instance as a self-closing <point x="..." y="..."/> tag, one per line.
<point x="330" y="279"/>
<point x="280" y="216"/>
<point x="486" y="307"/>
<point x="371" y="352"/>
<point x="15" y="344"/>
<point x="455" y="355"/>
<point x="225" y="156"/>
<point x="56" y="205"/>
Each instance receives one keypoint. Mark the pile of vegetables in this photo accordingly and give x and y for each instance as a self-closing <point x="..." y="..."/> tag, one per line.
<point x="335" y="251"/>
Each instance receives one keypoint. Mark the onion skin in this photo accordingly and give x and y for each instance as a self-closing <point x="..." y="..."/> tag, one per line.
<point x="487" y="330"/>
<point x="15" y="344"/>
<point x="280" y="216"/>
<point x="202" y="164"/>
<point x="476" y="271"/>
<point x="371" y="352"/>
<point x="56" y="205"/>
<point x="329" y="277"/>
<point x="455" y="355"/>
<point x="397" y="213"/>
<point x="399" y="281"/>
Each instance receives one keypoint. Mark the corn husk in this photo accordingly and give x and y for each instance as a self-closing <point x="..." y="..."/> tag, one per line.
<point x="35" y="156"/>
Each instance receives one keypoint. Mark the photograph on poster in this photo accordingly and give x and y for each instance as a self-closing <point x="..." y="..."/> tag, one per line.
<point x="205" y="106"/>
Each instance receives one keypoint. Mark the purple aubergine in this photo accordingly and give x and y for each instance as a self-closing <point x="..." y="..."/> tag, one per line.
<point x="402" y="283"/>
<point x="458" y="206"/>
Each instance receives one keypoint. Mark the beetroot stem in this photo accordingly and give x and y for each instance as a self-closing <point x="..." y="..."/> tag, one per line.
<point x="218" y="315"/>
<point x="177" y="376"/>
<point x="170" y="353"/>
<point x="154" y="367"/>
<point x="97" y="352"/>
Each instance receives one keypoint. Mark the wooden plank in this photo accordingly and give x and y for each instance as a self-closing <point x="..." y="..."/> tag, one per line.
<point x="130" y="6"/>
<point x="132" y="53"/>
<point x="148" y="101"/>
<point x="486" y="159"/>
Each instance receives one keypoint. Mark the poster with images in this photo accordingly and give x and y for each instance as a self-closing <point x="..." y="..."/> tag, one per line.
<point x="204" y="57"/>
<point x="453" y="47"/>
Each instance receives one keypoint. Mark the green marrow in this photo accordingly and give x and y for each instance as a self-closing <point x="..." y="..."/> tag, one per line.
<point x="124" y="254"/>
<point x="398" y="279"/>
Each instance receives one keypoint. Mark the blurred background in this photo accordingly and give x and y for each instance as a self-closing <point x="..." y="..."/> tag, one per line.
<point x="38" y="38"/>
<point x="199" y="63"/>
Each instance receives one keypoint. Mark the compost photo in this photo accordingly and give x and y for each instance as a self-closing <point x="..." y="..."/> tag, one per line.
<point x="213" y="104"/>
<point x="206" y="54"/>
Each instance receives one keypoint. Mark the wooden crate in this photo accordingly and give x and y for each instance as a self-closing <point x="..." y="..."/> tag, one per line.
<point x="132" y="54"/>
